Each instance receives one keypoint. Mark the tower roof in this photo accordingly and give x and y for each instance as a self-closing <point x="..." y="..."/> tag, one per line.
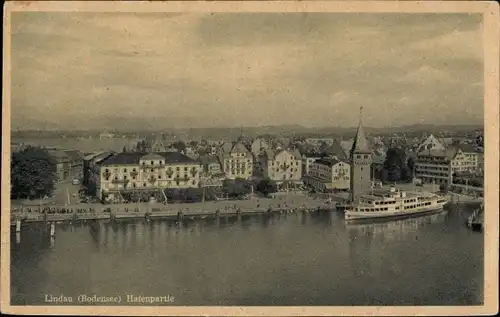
<point x="360" y="144"/>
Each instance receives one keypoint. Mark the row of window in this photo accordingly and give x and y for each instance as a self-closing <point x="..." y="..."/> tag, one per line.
<point x="125" y="170"/>
<point x="279" y="163"/>
<point x="277" y="169"/>
<point x="389" y="202"/>
<point x="417" y="205"/>
<point x="138" y="185"/>
<point x="373" y="209"/>
<point x="157" y="176"/>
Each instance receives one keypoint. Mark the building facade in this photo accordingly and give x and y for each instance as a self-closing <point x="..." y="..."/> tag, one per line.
<point x="439" y="166"/>
<point x="307" y="160"/>
<point x="361" y="160"/>
<point x="329" y="174"/>
<point x="282" y="166"/>
<point x="153" y="171"/>
<point x="237" y="162"/>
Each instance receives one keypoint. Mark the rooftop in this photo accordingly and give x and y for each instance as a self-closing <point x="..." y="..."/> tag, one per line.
<point x="328" y="162"/>
<point x="133" y="158"/>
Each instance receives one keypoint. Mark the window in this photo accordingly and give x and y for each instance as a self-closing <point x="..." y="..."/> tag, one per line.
<point x="152" y="162"/>
<point x="144" y="184"/>
<point x="177" y="168"/>
<point x="124" y="170"/>
<point x="185" y="169"/>
<point x="159" y="176"/>
<point x="152" y="170"/>
<point x="133" y="185"/>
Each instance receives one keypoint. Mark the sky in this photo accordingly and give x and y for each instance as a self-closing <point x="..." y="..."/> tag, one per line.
<point x="177" y="70"/>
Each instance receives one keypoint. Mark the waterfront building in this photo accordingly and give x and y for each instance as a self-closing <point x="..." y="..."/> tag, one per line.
<point x="307" y="160"/>
<point x="91" y="174"/>
<point x="140" y="171"/>
<point x="237" y="162"/>
<point x="438" y="166"/>
<point x="282" y="166"/>
<point x="361" y="160"/>
<point x="329" y="174"/>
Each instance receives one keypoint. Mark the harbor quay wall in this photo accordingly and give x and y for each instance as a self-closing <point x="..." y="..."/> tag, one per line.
<point x="157" y="210"/>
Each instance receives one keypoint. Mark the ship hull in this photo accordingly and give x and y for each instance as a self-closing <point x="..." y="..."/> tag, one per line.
<point x="352" y="216"/>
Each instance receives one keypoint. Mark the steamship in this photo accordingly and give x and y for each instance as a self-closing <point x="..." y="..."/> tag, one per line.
<point x="394" y="203"/>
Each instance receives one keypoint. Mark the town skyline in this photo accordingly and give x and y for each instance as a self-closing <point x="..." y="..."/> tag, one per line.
<point x="170" y="70"/>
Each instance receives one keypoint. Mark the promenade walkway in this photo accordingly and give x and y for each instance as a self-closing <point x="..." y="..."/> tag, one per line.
<point x="153" y="210"/>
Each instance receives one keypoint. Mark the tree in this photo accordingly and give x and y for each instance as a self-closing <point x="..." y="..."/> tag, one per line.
<point x="33" y="173"/>
<point x="202" y="152"/>
<point x="141" y="146"/>
<point x="411" y="167"/>
<point x="395" y="164"/>
<point x="193" y="143"/>
<point x="179" y="146"/>
<point x="237" y="187"/>
<point x="267" y="186"/>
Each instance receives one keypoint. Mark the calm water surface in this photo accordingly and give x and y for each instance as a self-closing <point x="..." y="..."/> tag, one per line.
<point x="294" y="259"/>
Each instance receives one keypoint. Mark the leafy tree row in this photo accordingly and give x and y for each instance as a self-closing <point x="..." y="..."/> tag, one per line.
<point x="397" y="166"/>
<point x="33" y="173"/>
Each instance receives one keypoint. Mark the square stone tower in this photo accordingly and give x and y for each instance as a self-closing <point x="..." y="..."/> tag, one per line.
<point x="361" y="160"/>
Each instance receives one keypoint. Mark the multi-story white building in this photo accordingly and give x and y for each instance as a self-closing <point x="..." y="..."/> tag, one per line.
<point x="237" y="162"/>
<point x="438" y="166"/>
<point x="282" y="166"/>
<point x="329" y="174"/>
<point x="153" y="171"/>
<point x="307" y="160"/>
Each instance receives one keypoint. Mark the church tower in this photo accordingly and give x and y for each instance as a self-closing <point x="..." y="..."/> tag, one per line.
<point x="361" y="160"/>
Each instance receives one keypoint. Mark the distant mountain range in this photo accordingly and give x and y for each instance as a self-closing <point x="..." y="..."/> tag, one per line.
<point x="233" y="132"/>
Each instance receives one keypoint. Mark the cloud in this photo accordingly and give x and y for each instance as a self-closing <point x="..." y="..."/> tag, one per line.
<point x="245" y="69"/>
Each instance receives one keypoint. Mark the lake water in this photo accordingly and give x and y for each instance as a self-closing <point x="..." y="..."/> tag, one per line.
<point x="294" y="259"/>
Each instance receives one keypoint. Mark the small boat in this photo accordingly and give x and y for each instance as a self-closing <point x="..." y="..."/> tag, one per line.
<point x="394" y="203"/>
